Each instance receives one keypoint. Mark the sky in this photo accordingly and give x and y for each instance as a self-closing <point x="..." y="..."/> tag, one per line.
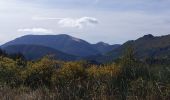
<point x="110" y="21"/>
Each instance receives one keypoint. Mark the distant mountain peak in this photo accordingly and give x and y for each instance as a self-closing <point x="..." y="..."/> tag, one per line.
<point x="76" y="39"/>
<point x="64" y="35"/>
<point x="62" y="42"/>
<point x="103" y="43"/>
<point x="148" y="36"/>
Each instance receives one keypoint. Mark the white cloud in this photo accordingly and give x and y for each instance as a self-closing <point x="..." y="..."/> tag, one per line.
<point x="77" y="23"/>
<point x="35" y="30"/>
<point x="72" y="22"/>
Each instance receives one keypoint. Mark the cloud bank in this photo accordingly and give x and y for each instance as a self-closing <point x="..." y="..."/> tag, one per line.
<point x="35" y="30"/>
<point x="72" y="22"/>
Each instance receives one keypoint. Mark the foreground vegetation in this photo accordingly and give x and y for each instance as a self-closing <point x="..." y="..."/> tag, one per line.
<point x="46" y="79"/>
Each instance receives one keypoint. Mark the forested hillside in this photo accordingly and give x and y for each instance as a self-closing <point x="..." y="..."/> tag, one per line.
<point x="148" y="46"/>
<point x="49" y="79"/>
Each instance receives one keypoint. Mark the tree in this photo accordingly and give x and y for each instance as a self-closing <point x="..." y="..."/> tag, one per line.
<point x="128" y="63"/>
<point x="127" y="71"/>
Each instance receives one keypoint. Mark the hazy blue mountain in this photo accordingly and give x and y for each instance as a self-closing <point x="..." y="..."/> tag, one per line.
<point x="33" y="52"/>
<point x="104" y="47"/>
<point x="39" y="45"/>
<point x="64" y="43"/>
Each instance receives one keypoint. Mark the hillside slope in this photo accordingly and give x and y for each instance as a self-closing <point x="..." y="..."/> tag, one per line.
<point x="144" y="47"/>
<point x="64" y="43"/>
<point x="33" y="52"/>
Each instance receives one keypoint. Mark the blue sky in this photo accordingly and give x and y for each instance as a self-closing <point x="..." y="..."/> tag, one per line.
<point x="111" y="21"/>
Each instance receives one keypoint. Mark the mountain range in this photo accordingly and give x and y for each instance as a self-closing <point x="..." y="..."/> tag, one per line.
<point x="36" y="46"/>
<point x="65" y="47"/>
<point x="148" y="46"/>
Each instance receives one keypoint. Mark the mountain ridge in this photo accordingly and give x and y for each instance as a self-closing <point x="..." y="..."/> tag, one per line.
<point x="64" y="43"/>
<point x="144" y="47"/>
<point x="34" y="52"/>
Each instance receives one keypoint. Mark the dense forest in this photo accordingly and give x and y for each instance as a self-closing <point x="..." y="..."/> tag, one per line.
<point x="126" y="78"/>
